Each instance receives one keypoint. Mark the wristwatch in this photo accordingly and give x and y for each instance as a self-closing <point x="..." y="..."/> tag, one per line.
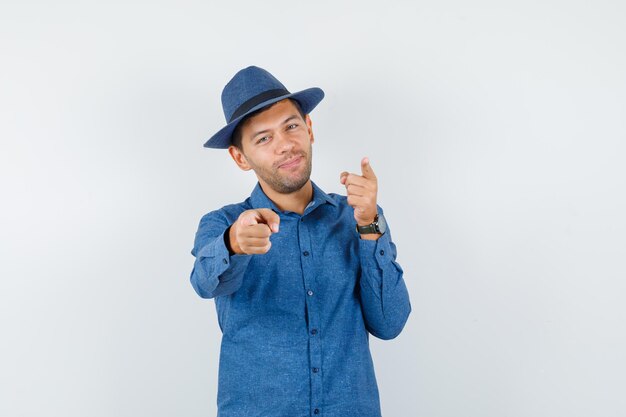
<point x="379" y="225"/>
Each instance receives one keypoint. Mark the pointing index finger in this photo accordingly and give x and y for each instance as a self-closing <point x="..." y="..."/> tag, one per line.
<point x="366" y="168"/>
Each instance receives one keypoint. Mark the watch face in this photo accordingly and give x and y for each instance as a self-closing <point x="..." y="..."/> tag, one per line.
<point x="382" y="224"/>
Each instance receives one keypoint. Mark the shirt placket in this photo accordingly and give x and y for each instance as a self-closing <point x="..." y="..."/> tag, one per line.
<point x="314" y="331"/>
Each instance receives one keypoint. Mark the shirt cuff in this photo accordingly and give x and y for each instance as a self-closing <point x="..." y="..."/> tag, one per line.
<point x="218" y="250"/>
<point x="375" y="252"/>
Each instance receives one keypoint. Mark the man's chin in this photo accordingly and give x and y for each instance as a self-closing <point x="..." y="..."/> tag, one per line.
<point x="290" y="187"/>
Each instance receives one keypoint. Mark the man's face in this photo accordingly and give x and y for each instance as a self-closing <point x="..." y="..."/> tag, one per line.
<point x="277" y="146"/>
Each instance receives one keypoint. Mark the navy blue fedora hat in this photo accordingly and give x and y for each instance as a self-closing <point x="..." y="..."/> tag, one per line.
<point x="251" y="89"/>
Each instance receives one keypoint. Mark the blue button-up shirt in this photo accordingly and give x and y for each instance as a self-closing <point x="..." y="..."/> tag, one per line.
<point x="296" y="320"/>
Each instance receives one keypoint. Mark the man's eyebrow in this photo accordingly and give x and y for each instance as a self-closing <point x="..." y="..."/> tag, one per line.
<point x="293" y="116"/>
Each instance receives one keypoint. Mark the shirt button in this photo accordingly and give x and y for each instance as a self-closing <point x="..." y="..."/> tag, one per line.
<point x="315" y="370"/>
<point x="225" y="261"/>
<point x="314" y="331"/>
<point x="382" y="252"/>
<point x="316" y="411"/>
<point x="309" y="292"/>
<point x="305" y="253"/>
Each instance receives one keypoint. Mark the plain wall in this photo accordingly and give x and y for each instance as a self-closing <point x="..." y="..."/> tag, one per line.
<point x="496" y="129"/>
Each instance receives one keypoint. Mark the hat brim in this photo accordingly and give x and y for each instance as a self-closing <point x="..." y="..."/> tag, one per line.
<point x="308" y="99"/>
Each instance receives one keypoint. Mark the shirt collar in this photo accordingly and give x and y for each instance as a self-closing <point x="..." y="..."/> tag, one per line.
<point x="259" y="199"/>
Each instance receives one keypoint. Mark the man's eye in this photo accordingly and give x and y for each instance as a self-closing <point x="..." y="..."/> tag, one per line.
<point x="294" y="126"/>
<point x="259" y="141"/>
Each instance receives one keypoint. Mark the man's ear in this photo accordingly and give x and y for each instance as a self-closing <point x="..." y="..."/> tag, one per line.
<point x="239" y="158"/>
<point x="309" y="125"/>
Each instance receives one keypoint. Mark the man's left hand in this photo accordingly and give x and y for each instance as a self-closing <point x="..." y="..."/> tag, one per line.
<point x="362" y="191"/>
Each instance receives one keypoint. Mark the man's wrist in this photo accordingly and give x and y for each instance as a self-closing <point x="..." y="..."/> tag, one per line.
<point x="362" y="223"/>
<point x="227" y="241"/>
<point x="231" y="241"/>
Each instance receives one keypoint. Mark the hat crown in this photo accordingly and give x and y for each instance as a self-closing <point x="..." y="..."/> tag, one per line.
<point x="253" y="89"/>
<point x="246" y="84"/>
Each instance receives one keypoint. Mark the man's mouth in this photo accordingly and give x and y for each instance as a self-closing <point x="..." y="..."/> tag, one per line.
<point x="291" y="162"/>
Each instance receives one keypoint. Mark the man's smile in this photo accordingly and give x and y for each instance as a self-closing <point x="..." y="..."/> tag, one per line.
<point x="291" y="162"/>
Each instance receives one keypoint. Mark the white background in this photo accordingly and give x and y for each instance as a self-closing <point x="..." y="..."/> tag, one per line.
<point x="497" y="131"/>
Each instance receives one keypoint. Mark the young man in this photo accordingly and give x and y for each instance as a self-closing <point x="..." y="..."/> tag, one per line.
<point x="300" y="278"/>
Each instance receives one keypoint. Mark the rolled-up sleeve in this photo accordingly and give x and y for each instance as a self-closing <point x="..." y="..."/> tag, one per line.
<point x="384" y="296"/>
<point x="215" y="272"/>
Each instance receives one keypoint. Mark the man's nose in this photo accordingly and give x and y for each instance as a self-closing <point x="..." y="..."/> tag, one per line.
<point x="285" y="143"/>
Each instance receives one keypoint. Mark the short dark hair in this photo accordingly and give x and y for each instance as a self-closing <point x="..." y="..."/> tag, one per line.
<point x="236" y="139"/>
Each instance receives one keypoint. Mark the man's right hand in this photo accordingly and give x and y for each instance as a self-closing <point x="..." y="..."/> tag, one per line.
<point x="250" y="234"/>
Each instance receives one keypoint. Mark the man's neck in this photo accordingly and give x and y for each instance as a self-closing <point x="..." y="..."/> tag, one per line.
<point x="296" y="201"/>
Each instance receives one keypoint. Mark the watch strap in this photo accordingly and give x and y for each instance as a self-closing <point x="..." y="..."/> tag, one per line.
<point x="370" y="228"/>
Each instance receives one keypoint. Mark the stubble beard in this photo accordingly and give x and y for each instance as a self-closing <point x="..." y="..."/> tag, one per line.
<point x="285" y="183"/>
